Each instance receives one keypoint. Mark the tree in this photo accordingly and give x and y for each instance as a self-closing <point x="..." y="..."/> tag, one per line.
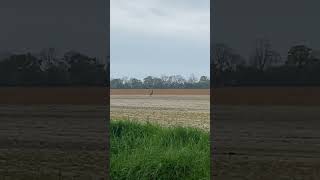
<point x="101" y="74"/>
<point x="192" y="79"/>
<point x="135" y="83"/>
<point x="148" y="82"/>
<point x="49" y="69"/>
<point x="116" y="83"/>
<point x="165" y="81"/>
<point x="263" y="55"/>
<point x="179" y="81"/>
<point x="299" y="56"/>
<point x="224" y="61"/>
<point x="224" y="58"/>
<point x="157" y="82"/>
<point x="57" y="75"/>
<point x="174" y="81"/>
<point x="191" y="82"/>
<point x="204" y="82"/>
<point x="48" y="57"/>
<point x="85" y="70"/>
<point x="21" y="69"/>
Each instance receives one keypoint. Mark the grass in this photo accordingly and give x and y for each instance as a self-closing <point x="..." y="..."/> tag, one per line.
<point x="146" y="151"/>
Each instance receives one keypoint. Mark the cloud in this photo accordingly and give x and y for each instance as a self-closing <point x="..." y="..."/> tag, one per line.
<point x="188" y="19"/>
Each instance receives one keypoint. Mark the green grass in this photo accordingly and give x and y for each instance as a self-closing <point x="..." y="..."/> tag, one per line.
<point x="148" y="151"/>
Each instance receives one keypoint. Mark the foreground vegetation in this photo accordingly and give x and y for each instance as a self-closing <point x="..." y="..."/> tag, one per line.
<point x="147" y="151"/>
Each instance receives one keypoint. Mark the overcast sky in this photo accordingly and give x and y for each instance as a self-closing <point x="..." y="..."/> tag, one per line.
<point x="154" y="37"/>
<point x="63" y="24"/>
<point x="284" y="22"/>
<point x="157" y="37"/>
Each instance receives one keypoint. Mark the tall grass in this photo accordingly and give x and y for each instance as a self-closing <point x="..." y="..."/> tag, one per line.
<point x="147" y="151"/>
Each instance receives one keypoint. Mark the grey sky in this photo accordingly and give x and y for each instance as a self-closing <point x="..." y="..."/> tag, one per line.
<point x="63" y="24"/>
<point x="155" y="37"/>
<point x="283" y="22"/>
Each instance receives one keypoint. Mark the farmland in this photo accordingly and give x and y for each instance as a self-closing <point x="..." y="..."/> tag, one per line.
<point x="258" y="133"/>
<point x="53" y="133"/>
<point x="163" y="136"/>
<point x="166" y="107"/>
<point x="266" y="133"/>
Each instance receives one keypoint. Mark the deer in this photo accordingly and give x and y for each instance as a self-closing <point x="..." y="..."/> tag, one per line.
<point x="150" y="92"/>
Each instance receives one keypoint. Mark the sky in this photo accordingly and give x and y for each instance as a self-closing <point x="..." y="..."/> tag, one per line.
<point x="284" y="22"/>
<point x="155" y="37"/>
<point x="159" y="37"/>
<point x="31" y="25"/>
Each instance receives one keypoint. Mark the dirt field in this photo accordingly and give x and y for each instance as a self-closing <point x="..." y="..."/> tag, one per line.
<point x="160" y="91"/>
<point x="183" y="110"/>
<point x="54" y="95"/>
<point x="258" y="133"/>
<point x="69" y="140"/>
<point x="266" y="142"/>
<point x="266" y="96"/>
<point x="266" y="133"/>
<point x="53" y="133"/>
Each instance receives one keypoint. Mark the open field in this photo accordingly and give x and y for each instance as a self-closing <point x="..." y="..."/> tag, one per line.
<point x="53" y="141"/>
<point x="54" y="95"/>
<point x="149" y="151"/>
<point x="160" y="91"/>
<point x="168" y="110"/>
<point x="266" y="142"/>
<point x="63" y="140"/>
<point x="300" y="96"/>
<point x="266" y="133"/>
<point x="258" y="133"/>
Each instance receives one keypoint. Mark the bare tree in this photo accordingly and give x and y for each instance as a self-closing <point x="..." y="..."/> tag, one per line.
<point x="48" y="57"/>
<point x="165" y="80"/>
<point x="192" y="79"/>
<point x="224" y="59"/>
<point x="263" y="55"/>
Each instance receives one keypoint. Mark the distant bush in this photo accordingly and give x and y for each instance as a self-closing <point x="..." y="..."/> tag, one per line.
<point x="164" y="82"/>
<point x="264" y="67"/>
<point x="47" y="69"/>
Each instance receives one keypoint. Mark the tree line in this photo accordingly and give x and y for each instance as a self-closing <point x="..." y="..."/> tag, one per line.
<point x="265" y="66"/>
<point x="47" y="68"/>
<point x="163" y="82"/>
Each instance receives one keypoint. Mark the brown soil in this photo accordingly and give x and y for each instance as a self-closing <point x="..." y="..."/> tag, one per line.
<point x="160" y="91"/>
<point x="54" y="95"/>
<point x="53" y="139"/>
<point x="98" y="95"/>
<point x="53" y="132"/>
<point x="266" y="96"/>
<point x="266" y="142"/>
<point x="276" y="134"/>
<point x="266" y="133"/>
